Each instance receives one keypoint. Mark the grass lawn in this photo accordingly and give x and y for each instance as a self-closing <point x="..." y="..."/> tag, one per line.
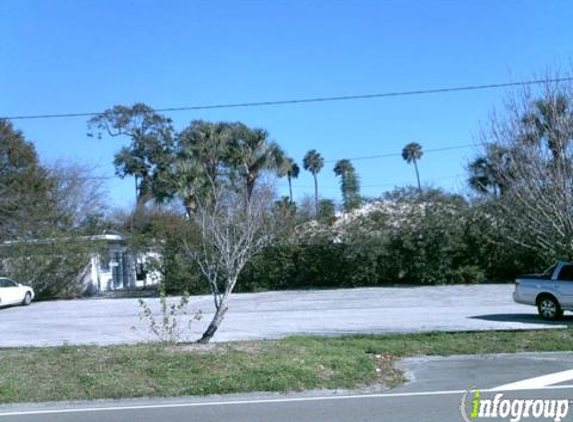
<point x="291" y="364"/>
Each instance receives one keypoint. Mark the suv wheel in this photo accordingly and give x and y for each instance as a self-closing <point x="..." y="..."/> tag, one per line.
<point x="549" y="308"/>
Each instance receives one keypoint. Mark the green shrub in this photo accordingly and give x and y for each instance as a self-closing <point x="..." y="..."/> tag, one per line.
<point x="433" y="238"/>
<point x="440" y="239"/>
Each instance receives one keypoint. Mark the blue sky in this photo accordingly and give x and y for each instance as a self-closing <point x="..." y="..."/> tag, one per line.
<point x="82" y="56"/>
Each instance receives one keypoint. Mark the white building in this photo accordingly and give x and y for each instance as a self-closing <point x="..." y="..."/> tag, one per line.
<point x="111" y="265"/>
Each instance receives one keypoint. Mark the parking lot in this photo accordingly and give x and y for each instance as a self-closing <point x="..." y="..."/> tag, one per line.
<point x="278" y="314"/>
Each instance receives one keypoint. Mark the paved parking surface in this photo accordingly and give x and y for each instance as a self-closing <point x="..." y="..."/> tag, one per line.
<point x="279" y="314"/>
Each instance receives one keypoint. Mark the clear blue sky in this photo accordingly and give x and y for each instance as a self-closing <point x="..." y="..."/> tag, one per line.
<point x="80" y="55"/>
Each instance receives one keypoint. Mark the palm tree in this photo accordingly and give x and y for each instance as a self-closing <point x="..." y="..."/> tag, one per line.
<point x="203" y="151"/>
<point x="291" y="170"/>
<point x="342" y="166"/>
<point x="191" y="183"/>
<point x="207" y="143"/>
<point x="253" y="152"/>
<point x="549" y="120"/>
<point x="491" y="173"/>
<point x="411" y="154"/>
<point x="482" y="176"/>
<point x="313" y="162"/>
<point x="349" y="184"/>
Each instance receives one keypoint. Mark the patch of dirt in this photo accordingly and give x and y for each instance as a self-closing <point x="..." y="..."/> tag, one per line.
<point x="250" y="347"/>
<point x="247" y="347"/>
<point x="193" y="348"/>
<point x="387" y="371"/>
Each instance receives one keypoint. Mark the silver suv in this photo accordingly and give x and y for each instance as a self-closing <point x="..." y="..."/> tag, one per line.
<point x="551" y="291"/>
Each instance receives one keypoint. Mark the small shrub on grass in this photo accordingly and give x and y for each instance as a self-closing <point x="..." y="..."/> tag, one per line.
<point x="174" y="319"/>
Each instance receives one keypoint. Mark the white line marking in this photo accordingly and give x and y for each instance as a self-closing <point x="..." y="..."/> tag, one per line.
<point x="538" y="382"/>
<point x="226" y="403"/>
<point x="247" y="402"/>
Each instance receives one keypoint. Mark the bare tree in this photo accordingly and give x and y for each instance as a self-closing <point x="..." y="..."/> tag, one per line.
<point x="47" y="251"/>
<point x="76" y="193"/>
<point x="234" y="227"/>
<point x="535" y="133"/>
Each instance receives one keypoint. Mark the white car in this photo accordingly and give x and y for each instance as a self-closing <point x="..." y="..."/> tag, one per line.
<point x="12" y="293"/>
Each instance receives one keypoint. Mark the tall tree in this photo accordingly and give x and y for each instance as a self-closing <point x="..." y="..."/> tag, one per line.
<point x="535" y="131"/>
<point x="349" y="184"/>
<point x="51" y="204"/>
<point x="252" y="153"/>
<point x="150" y="152"/>
<point x="208" y="152"/>
<point x="202" y="154"/>
<point x="484" y="176"/>
<point x="548" y="122"/>
<point x="77" y="197"/>
<point x="24" y="185"/>
<point x="290" y="170"/>
<point x="313" y="162"/>
<point x="412" y="153"/>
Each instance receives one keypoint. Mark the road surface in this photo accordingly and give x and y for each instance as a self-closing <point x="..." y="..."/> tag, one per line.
<point x="434" y="394"/>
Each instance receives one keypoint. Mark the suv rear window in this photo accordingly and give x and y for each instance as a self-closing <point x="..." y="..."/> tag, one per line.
<point x="566" y="273"/>
<point x="549" y="271"/>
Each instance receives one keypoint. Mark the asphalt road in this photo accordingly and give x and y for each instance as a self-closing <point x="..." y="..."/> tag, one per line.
<point x="434" y="394"/>
<point x="278" y="314"/>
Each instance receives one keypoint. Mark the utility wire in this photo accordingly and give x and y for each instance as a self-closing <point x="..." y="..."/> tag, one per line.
<point x="399" y="154"/>
<point x="377" y="185"/>
<point x="311" y="100"/>
<point x="368" y="157"/>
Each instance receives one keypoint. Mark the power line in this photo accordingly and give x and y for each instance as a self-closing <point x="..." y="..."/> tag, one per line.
<point x="377" y="185"/>
<point x="83" y="177"/>
<point x="368" y="157"/>
<point x="311" y="100"/>
<point x="436" y="179"/>
<point x="399" y="154"/>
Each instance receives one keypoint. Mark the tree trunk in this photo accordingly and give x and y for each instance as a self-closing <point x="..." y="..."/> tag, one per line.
<point x="251" y="181"/>
<point x="136" y="189"/>
<point x="290" y="188"/>
<point x="417" y="175"/>
<point x="315" y="194"/>
<point x="214" y="324"/>
<point x="250" y="188"/>
<point x="190" y="206"/>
